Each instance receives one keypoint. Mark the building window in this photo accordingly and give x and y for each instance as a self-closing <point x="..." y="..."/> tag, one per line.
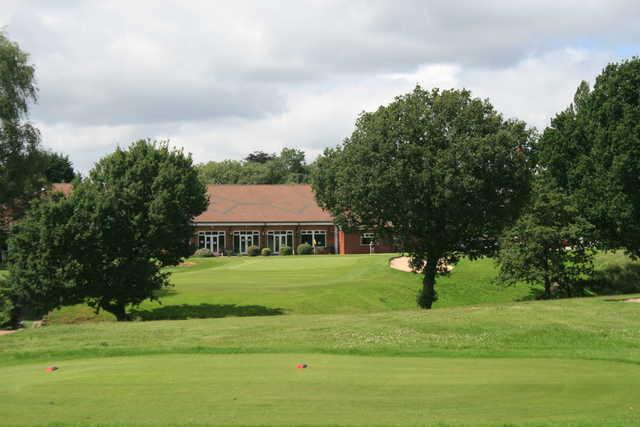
<point x="243" y="239"/>
<point x="277" y="239"/>
<point x="314" y="237"/>
<point x="212" y="240"/>
<point x="367" y="239"/>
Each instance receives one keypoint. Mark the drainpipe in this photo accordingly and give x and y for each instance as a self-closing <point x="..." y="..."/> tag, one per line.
<point x="336" y="247"/>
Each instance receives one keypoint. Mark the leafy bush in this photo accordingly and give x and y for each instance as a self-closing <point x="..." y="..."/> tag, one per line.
<point x="203" y="253"/>
<point x="5" y="307"/>
<point x="305" y="249"/>
<point x="265" y="252"/>
<point x="286" y="250"/>
<point x="253" y="251"/>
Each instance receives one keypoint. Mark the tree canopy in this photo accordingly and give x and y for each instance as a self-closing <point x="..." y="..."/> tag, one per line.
<point x="440" y="171"/>
<point x="107" y="243"/>
<point x="289" y="167"/>
<point x="19" y="141"/>
<point x="551" y="243"/>
<point x="57" y="167"/>
<point x="24" y="167"/>
<point x="17" y="87"/>
<point x="592" y="150"/>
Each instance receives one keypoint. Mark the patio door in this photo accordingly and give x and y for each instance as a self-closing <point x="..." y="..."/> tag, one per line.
<point x="212" y="240"/>
<point x="278" y="239"/>
<point x="243" y="239"/>
<point x="245" y="242"/>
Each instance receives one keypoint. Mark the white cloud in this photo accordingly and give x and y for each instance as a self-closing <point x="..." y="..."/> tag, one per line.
<point x="223" y="78"/>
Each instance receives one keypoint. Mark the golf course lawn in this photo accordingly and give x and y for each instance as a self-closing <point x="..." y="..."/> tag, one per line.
<point x="266" y="388"/>
<point x="485" y="356"/>
<point x="254" y="286"/>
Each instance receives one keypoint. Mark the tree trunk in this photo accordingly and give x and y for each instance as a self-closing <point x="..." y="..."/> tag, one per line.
<point x="428" y="295"/>
<point x="118" y="310"/>
<point x="547" y="288"/>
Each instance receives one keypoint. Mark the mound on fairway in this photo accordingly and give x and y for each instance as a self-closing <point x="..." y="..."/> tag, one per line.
<point x="254" y="389"/>
<point x="564" y="362"/>
<point x="263" y="286"/>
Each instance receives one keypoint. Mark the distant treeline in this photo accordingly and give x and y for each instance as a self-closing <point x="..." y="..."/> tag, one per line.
<point x="288" y="167"/>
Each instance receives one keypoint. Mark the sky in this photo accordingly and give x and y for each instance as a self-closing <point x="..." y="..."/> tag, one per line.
<point x="222" y="79"/>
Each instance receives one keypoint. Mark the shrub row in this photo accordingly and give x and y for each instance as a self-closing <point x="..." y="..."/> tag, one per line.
<point x="302" y="249"/>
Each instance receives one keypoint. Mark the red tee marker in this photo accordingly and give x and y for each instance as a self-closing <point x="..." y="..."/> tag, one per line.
<point x="301" y="365"/>
<point x="51" y="368"/>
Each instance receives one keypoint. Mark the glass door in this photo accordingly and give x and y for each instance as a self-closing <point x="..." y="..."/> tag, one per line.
<point x="278" y="239"/>
<point x="212" y="240"/>
<point x="244" y="243"/>
<point x="243" y="239"/>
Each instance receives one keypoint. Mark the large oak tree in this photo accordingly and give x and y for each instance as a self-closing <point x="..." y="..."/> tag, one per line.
<point x="439" y="171"/>
<point x="108" y="242"/>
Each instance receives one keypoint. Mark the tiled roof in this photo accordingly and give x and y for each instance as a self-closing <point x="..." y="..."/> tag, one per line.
<point x="262" y="203"/>
<point x="63" y="187"/>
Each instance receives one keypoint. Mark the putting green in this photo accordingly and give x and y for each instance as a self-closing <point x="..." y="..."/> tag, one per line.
<point x="268" y="389"/>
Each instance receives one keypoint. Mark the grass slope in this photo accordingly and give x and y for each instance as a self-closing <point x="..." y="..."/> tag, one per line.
<point x="247" y="286"/>
<point x="560" y="362"/>
<point x="374" y="358"/>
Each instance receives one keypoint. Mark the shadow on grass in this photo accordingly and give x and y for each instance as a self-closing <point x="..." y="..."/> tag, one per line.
<point x="616" y="280"/>
<point x="204" y="311"/>
<point x="612" y="280"/>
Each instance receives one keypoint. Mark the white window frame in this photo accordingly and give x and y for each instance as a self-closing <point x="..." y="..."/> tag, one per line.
<point x="246" y="232"/>
<point x="280" y="233"/>
<point x="212" y="234"/>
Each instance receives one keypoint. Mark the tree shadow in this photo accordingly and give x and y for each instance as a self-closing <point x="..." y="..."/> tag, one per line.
<point x="165" y="292"/>
<point x="615" y="280"/>
<point x="612" y="280"/>
<point x="535" y="293"/>
<point x="204" y="311"/>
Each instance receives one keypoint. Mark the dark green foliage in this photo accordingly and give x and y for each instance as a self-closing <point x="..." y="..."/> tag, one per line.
<point x="17" y="86"/>
<point x="6" y="307"/>
<point x="57" y="167"/>
<point x="108" y="242"/>
<point x="20" y="175"/>
<point x="203" y="253"/>
<point x="305" y="249"/>
<point x="615" y="279"/>
<point x="259" y="157"/>
<point x="21" y="166"/>
<point x="287" y="168"/>
<point x="46" y="260"/>
<point x="253" y="251"/>
<point x="265" y="252"/>
<point x="286" y="250"/>
<point x="440" y="171"/>
<point x="592" y="151"/>
<point x="24" y="168"/>
<point x="549" y="245"/>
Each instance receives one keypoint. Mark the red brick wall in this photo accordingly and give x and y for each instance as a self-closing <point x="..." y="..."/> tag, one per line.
<point x="262" y="229"/>
<point x="350" y="244"/>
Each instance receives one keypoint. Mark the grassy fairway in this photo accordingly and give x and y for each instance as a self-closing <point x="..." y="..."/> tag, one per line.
<point x="245" y="286"/>
<point x="374" y="358"/>
<point x="559" y="362"/>
<point x="253" y="389"/>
